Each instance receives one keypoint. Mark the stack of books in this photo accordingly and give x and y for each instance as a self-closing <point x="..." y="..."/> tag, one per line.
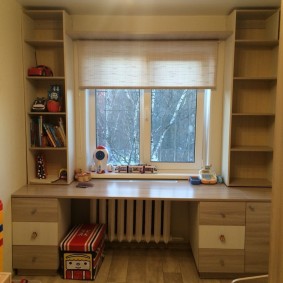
<point x="42" y="130"/>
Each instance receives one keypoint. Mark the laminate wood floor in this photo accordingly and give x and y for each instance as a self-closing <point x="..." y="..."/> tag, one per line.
<point x="142" y="265"/>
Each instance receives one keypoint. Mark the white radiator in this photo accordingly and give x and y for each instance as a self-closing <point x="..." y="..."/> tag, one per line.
<point x="133" y="220"/>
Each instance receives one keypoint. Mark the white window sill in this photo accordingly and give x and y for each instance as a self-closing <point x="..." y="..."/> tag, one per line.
<point x="155" y="176"/>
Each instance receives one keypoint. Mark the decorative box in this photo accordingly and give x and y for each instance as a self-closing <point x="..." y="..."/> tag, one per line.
<point x="82" y="252"/>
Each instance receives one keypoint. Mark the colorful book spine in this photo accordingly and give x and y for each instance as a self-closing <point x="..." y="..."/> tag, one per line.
<point x="49" y="135"/>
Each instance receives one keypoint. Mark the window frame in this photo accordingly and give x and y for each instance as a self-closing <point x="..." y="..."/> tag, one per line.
<point x="145" y="134"/>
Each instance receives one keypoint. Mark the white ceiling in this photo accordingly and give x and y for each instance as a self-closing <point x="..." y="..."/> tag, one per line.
<point x="149" y="7"/>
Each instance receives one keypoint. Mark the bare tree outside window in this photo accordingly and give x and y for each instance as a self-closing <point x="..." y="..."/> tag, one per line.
<point x="118" y="124"/>
<point x="173" y="125"/>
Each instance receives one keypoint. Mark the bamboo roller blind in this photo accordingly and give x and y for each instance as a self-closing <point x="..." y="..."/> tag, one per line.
<point x="147" y="64"/>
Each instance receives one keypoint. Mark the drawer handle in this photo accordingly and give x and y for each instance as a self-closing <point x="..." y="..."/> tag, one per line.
<point x="33" y="260"/>
<point x="34" y="235"/>
<point x="222" y="239"/>
<point x="251" y="208"/>
<point x="34" y="211"/>
<point x="223" y="215"/>
<point x="222" y="263"/>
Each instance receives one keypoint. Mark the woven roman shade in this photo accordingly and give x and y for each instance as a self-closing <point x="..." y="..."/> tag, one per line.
<point x="147" y="64"/>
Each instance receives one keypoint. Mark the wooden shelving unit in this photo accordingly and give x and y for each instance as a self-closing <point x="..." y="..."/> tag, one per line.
<point x="250" y="93"/>
<point x="46" y="43"/>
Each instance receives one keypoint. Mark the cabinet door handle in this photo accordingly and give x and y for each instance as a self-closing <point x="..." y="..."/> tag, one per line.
<point x="222" y="238"/>
<point x="34" y="235"/>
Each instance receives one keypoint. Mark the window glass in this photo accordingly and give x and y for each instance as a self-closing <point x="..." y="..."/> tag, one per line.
<point x="173" y="126"/>
<point x="118" y="124"/>
<point x="161" y="127"/>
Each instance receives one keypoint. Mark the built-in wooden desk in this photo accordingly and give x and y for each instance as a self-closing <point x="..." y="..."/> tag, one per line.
<point x="146" y="189"/>
<point x="228" y="227"/>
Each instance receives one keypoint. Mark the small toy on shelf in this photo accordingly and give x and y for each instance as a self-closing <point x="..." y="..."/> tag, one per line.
<point x="100" y="158"/>
<point x="81" y="176"/>
<point x="207" y="175"/>
<point x="54" y="98"/>
<point x="40" y="167"/>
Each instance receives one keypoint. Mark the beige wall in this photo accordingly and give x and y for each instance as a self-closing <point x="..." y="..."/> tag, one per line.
<point x="12" y="126"/>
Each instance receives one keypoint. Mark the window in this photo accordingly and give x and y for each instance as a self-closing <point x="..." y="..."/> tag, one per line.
<point x="163" y="127"/>
<point x="145" y="101"/>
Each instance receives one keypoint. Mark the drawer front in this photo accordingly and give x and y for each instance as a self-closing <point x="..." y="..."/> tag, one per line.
<point x="34" y="209"/>
<point x="222" y="213"/>
<point x="36" y="257"/>
<point x="221" y="261"/>
<point x="35" y="233"/>
<point x="221" y="237"/>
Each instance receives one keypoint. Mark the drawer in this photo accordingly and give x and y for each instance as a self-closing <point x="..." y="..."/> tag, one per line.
<point x="34" y="209"/>
<point x="221" y="261"/>
<point x="222" y="213"/>
<point x="221" y="237"/>
<point x="35" y="233"/>
<point x="36" y="257"/>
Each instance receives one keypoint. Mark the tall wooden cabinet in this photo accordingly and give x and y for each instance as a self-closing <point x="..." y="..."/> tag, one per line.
<point x="249" y="98"/>
<point x="47" y="43"/>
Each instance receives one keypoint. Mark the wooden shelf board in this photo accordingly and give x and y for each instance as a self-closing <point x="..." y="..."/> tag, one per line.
<point x="45" y="43"/>
<point x="51" y="179"/>
<point x="45" y="14"/>
<point x="252" y="148"/>
<point x="48" y="148"/>
<point x="244" y="42"/>
<point x="272" y="78"/>
<point x="255" y="14"/>
<point x="42" y="78"/>
<point x="249" y="182"/>
<point x="47" y="113"/>
<point x="87" y="35"/>
<point x="254" y="114"/>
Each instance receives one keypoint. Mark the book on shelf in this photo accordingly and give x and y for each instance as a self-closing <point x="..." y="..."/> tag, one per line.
<point x="61" y="126"/>
<point x="36" y="131"/>
<point x="42" y="129"/>
<point x="49" y="135"/>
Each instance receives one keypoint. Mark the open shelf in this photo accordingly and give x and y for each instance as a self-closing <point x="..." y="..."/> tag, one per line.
<point x="251" y="93"/>
<point x="45" y="42"/>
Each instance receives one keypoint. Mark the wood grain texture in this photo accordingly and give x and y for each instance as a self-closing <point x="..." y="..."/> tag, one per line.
<point x="146" y="265"/>
<point x="221" y="213"/>
<point x="33" y="210"/>
<point x="257" y="237"/>
<point x="145" y="189"/>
